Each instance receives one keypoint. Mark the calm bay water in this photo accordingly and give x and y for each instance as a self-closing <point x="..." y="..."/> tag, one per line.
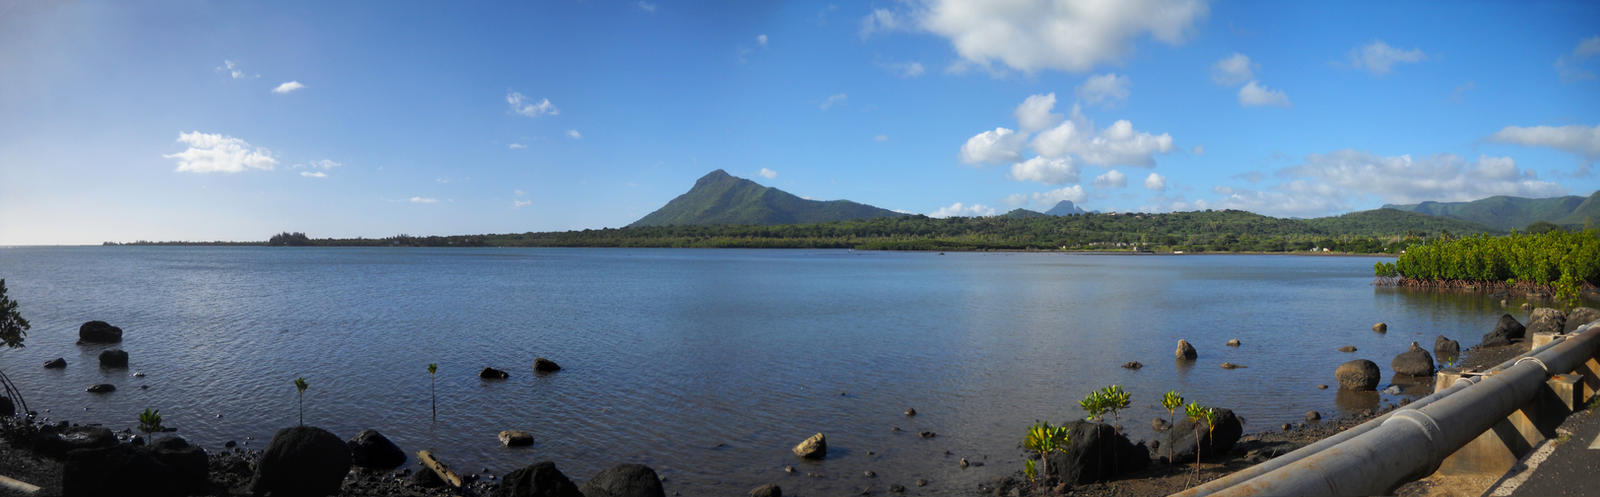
<point x="707" y="365"/>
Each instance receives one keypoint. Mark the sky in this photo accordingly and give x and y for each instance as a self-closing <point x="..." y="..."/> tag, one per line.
<point x="196" y="120"/>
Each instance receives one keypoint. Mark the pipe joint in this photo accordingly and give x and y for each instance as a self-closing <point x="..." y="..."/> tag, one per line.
<point x="1535" y="360"/>
<point x="1430" y="428"/>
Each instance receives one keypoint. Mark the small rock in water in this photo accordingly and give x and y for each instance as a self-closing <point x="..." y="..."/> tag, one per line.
<point x="1312" y="416"/>
<point x="768" y="490"/>
<point x="894" y="429"/>
<point x="144" y="387"/>
<point x="101" y="388"/>
<point x="542" y="365"/>
<point x="911" y="411"/>
<point x="1229" y="365"/>
<point x="927" y="434"/>
<point x="1233" y="342"/>
<point x="897" y="489"/>
<point x="813" y="447"/>
<point x="1392" y="390"/>
<point x="922" y="482"/>
<point x="230" y="444"/>
<point x="56" y="363"/>
<point x="515" y="438"/>
<point x="871" y="453"/>
<point x="1347" y="348"/>
<point x="1186" y="351"/>
<point x="1132" y="365"/>
<point x="869" y="474"/>
<point x="493" y="374"/>
<point x="964" y="462"/>
<point x="138" y="374"/>
<point x="788" y="469"/>
<point x="1381" y="327"/>
<point x="1323" y="386"/>
<point x="1288" y="427"/>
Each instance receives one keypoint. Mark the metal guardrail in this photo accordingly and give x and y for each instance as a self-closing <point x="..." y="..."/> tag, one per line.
<point x="1409" y="443"/>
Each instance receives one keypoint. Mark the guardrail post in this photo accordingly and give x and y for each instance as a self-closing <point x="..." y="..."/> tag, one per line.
<point x="1495" y="451"/>
<point x="1590" y="370"/>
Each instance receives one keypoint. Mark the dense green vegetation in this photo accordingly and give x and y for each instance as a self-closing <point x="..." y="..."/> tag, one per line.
<point x="1200" y="231"/>
<point x="719" y="198"/>
<point x="1559" y="259"/>
<point x="1507" y="213"/>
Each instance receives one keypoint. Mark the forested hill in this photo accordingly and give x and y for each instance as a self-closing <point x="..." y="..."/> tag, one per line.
<point x="1508" y="213"/>
<point x="1384" y="230"/>
<point x="720" y="198"/>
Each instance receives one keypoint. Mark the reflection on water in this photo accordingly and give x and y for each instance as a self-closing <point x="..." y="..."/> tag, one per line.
<point x="707" y="365"/>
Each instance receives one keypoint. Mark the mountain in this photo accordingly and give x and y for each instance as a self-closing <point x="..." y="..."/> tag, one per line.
<point x="1020" y="213"/>
<point x="1508" y="213"/>
<point x="1387" y="221"/>
<point x="1065" y="208"/>
<point x="720" y="198"/>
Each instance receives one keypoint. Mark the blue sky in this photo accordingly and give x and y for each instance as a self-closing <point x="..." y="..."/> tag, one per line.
<point x="232" y="120"/>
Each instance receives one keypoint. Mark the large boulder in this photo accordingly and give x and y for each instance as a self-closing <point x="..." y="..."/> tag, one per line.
<point x="1546" y="320"/>
<point x="1446" y="350"/>
<point x="370" y="449"/>
<point x="114" y="358"/>
<point x="57" y="442"/>
<point x="302" y="461"/>
<point x="1413" y="362"/>
<point x="815" y="447"/>
<point x="1506" y="330"/>
<point x="1579" y="317"/>
<point x="540" y="479"/>
<point x="768" y="490"/>
<point x="99" y="332"/>
<point x="1358" y="375"/>
<point x="122" y="470"/>
<point x="1185" y="351"/>
<point x="1095" y="452"/>
<point x="624" y="480"/>
<point x="542" y="365"/>
<point x="189" y="463"/>
<point x="1184" y="440"/>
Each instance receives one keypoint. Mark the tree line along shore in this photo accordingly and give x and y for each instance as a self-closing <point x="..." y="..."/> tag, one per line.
<point x="1368" y="232"/>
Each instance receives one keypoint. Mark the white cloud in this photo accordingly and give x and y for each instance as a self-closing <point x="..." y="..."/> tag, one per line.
<point x="998" y="146"/>
<point x="516" y="146"/>
<point x="880" y="138"/>
<point x="646" y="6"/>
<point x="879" y="21"/>
<point x="288" y="87"/>
<point x="519" y="192"/>
<point x="232" y="70"/>
<point x="1378" y="57"/>
<point x="1579" y="140"/>
<point x="767" y="173"/>
<point x="1034" y="112"/>
<point x="1064" y="35"/>
<point x="959" y="210"/>
<point x="1233" y="70"/>
<point x="521" y="104"/>
<point x="761" y="40"/>
<point x="574" y="134"/>
<point x="1015" y="199"/>
<point x="1155" y="182"/>
<point x="424" y="200"/>
<point x="1198" y="150"/>
<point x="832" y="100"/>
<point x="1253" y="94"/>
<point x="1050" y="171"/>
<point x="216" y="153"/>
<point x="1570" y="66"/>
<point x="1116" y="145"/>
<point x="518" y="204"/>
<point x="320" y="164"/>
<point x="1400" y="179"/>
<point x="313" y="174"/>
<point x="908" y="69"/>
<point x="1105" y="90"/>
<point x="1111" y="179"/>
<point x="1050" y="198"/>
<point x="1461" y="91"/>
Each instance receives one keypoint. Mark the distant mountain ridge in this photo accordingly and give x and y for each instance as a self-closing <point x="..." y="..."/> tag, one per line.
<point x="720" y="198"/>
<point x="1508" y="213"/>
<point x="1065" y="208"/>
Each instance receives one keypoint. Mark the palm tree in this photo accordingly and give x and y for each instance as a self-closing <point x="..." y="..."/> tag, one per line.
<point x="300" y="385"/>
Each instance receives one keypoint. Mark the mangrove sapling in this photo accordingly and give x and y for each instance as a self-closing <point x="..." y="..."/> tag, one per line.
<point x="150" y="422"/>
<point x="1196" y="412"/>
<point x="13" y="330"/>
<point x="1044" y="439"/>
<point x="1172" y="401"/>
<point x="300" y="386"/>
<point x="433" y="368"/>
<point x="1115" y="400"/>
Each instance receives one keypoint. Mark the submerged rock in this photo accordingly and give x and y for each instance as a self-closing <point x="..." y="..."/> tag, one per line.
<point x="1358" y="375"/>
<point x="542" y="365"/>
<point x="1381" y="327"/>
<point x="1446" y="350"/>
<point x="1132" y="365"/>
<point x="493" y="374"/>
<point x="515" y="438"/>
<point x="99" y="332"/>
<point x="1233" y="343"/>
<point x="624" y="480"/>
<point x="1229" y="365"/>
<point x="102" y="388"/>
<point x="1186" y="351"/>
<point x="815" y="447"/>
<point x="1347" y="348"/>
<point x="1506" y="330"/>
<point x="540" y="479"/>
<point x="114" y="358"/>
<point x="56" y="363"/>
<point x="1413" y="362"/>
<point x="302" y="461"/>
<point x="911" y="411"/>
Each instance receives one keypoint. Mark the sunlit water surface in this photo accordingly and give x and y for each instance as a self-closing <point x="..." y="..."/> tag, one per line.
<point x="707" y="365"/>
